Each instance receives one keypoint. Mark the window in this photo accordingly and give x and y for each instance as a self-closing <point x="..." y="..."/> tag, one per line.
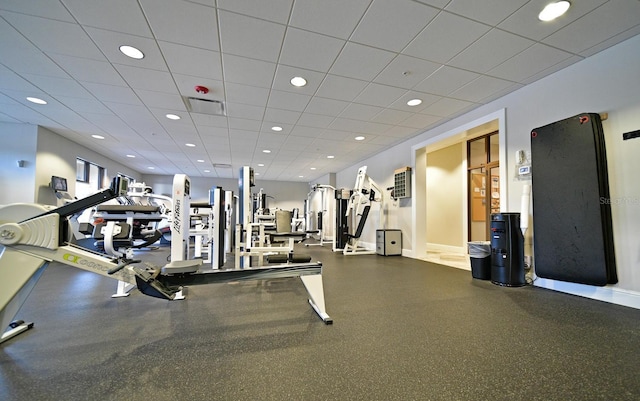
<point x="90" y="178"/>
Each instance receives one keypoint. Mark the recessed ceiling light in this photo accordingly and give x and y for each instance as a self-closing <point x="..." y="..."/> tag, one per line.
<point x="256" y="173"/>
<point x="151" y="168"/>
<point x="266" y="151"/>
<point x="207" y="171"/>
<point x="200" y="161"/>
<point x="359" y="138"/>
<point x="172" y="117"/>
<point x="191" y="145"/>
<point x="554" y="10"/>
<point x="36" y="100"/>
<point x="260" y="165"/>
<point x="414" y="102"/>
<point x="312" y="168"/>
<point x="132" y="52"/>
<point x="301" y="176"/>
<point x="298" y="81"/>
<point x="330" y="157"/>
<point x="276" y="128"/>
<point x="97" y="136"/>
<point x="131" y="156"/>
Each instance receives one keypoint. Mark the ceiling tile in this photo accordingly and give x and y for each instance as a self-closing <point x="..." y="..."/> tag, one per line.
<point x="187" y="87"/>
<point x="282" y="116"/>
<point x="284" y="73"/>
<point x="112" y="93"/>
<point x="350" y="62"/>
<point x="375" y="30"/>
<point x="245" y="94"/>
<point x="84" y="69"/>
<point x="327" y="107"/>
<point x="330" y="17"/>
<point x="24" y="56"/>
<point x="610" y="19"/>
<point x="248" y="71"/>
<point x="41" y="8"/>
<point x="356" y="111"/>
<point x="525" y="21"/>
<point x="341" y="88"/>
<point x="309" y="50"/>
<point x="490" y="50"/>
<point x="250" y="37"/>
<point x="272" y="10"/>
<point x="406" y="72"/>
<point x="313" y="120"/>
<point x="288" y="100"/>
<point x="379" y="95"/>
<point x="390" y="116"/>
<point x="420" y="121"/>
<point x="446" y="36"/>
<point x="58" y="86"/>
<point x="189" y="60"/>
<point x="171" y="101"/>
<point x="537" y="58"/>
<point x="167" y="19"/>
<point x="109" y="43"/>
<point x="488" y="12"/>
<point x="116" y="15"/>
<point x="401" y="102"/>
<point x="237" y="110"/>
<point x="52" y="36"/>
<point x="141" y="78"/>
<point x="446" y="107"/>
<point x="445" y="80"/>
<point x="480" y="88"/>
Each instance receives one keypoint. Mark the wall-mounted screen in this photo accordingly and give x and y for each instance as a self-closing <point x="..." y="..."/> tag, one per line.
<point x="59" y="184"/>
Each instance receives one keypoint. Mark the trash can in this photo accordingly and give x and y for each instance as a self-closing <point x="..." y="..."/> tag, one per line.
<point x="480" y="256"/>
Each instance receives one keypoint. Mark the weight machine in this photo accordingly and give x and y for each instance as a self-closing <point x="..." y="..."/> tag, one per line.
<point x="32" y="236"/>
<point x="322" y="217"/>
<point x="365" y="191"/>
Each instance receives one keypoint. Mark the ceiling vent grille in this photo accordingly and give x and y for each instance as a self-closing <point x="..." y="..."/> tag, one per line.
<point x="205" y="106"/>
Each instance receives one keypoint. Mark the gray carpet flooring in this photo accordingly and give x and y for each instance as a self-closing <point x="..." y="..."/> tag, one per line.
<point x="403" y="329"/>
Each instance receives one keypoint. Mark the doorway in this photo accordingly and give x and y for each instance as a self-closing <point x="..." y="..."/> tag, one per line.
<point x="483" y="154"/>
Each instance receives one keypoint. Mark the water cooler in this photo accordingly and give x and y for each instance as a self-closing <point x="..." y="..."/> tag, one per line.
<point x="507" y="250"/>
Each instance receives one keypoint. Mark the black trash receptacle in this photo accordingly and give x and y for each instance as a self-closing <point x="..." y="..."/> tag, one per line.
<point x="507" y="250"/>
<point x="480" y="257"/>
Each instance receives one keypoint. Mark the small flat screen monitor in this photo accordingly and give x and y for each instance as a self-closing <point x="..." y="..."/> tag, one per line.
<point x="59" y="184"/>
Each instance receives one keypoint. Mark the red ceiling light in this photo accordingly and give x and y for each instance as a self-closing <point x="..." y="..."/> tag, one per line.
<point x="203" y="90"/>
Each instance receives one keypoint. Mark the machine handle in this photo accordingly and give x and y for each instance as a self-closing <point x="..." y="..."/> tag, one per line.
<point x="122" y="265"/>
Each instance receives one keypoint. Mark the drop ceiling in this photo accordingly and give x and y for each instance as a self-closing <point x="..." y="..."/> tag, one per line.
<point x="363" y="60"/>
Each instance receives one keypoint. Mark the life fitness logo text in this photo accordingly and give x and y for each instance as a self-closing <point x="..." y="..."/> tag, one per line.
<point x="177" y="216"/>
<point x="83" y="262"/>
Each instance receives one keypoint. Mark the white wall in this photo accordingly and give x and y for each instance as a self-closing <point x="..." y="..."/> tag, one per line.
<point x="606" y="82"/>
<point x="46" y="154"/>
<point x="18" y="142"/>
<point x="280" y="194"/>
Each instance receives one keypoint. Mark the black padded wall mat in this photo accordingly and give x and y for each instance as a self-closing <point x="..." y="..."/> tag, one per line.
<point x="573" y="236"/>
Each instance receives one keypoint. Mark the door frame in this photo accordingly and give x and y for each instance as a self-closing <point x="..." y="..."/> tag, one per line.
<point x="418" y="179"/>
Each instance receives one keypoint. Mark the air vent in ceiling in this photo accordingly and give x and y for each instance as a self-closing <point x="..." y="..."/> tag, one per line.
<point x="205" y="106"/>
<point x="221" y="165"/>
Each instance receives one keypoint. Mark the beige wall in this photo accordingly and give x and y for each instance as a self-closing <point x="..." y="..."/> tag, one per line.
<point x="445" y="196"/>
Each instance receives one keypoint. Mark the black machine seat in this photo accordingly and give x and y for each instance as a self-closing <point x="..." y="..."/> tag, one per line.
<point x="144" y="214"/>
<point x="363" y="220"/>
<point x="128" y="208"/>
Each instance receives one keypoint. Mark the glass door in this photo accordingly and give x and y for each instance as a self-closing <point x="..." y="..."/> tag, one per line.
<point x="483" y="184"/>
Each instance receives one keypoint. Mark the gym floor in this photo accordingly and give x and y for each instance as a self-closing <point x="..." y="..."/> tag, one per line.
<point x="404" y="329"/>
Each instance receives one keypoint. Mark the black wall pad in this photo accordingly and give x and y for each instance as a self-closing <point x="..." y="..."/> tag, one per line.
<point x="573" y="235"/>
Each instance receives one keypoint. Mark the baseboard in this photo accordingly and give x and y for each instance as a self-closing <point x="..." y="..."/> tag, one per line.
<point x="609" y="294"/>
<point x="431" y="247"/>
